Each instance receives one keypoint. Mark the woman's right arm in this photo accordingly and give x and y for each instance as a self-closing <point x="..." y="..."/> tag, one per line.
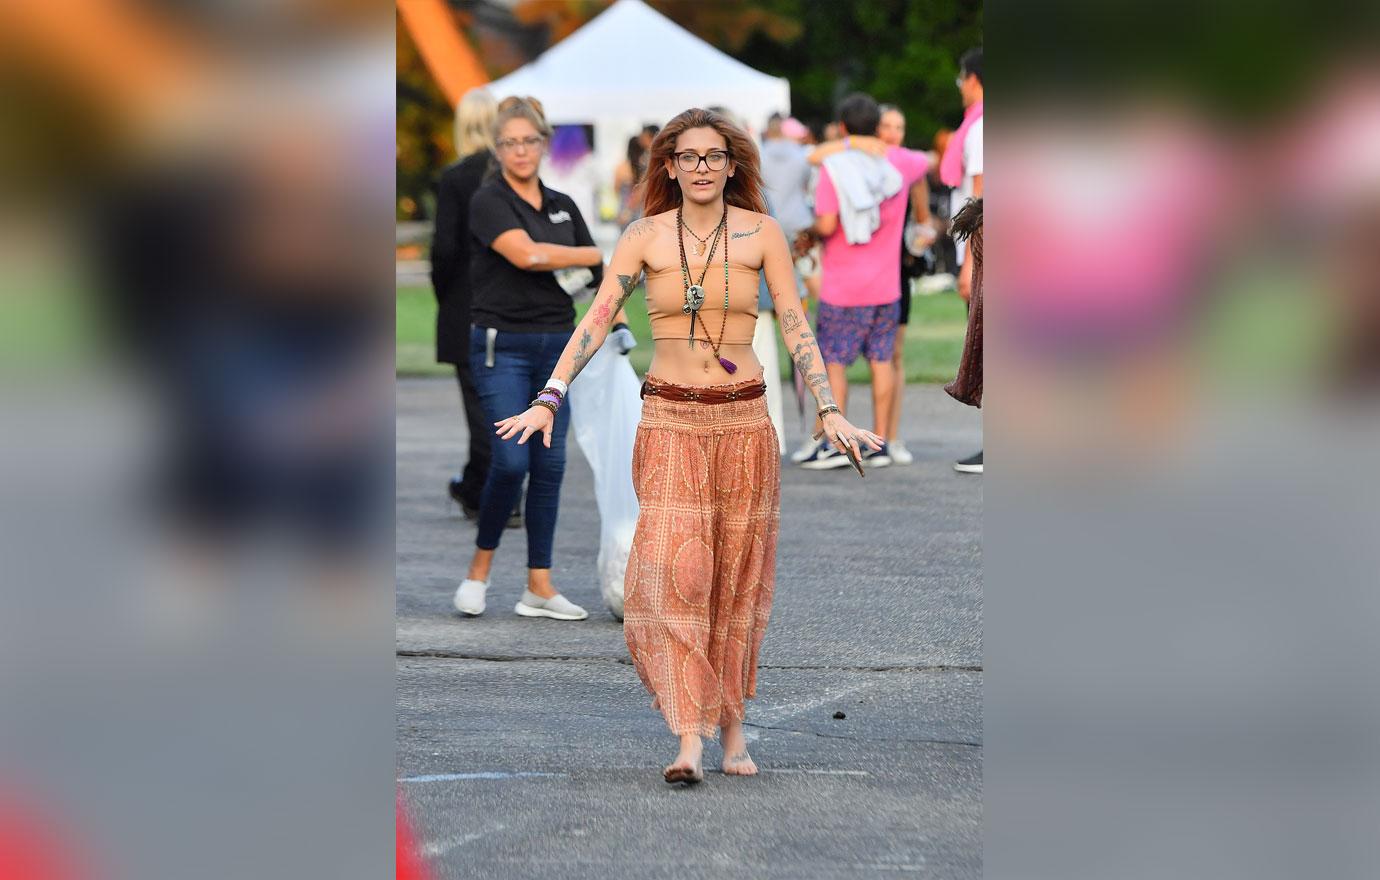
<point x="619" y="282"/>
<point x="518" y="248"/>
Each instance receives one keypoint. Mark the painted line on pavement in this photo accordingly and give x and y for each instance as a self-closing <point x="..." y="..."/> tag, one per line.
<point x="485" y="774"/>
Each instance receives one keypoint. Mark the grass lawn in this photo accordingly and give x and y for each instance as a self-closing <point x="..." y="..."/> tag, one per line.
<point x="934" y="338"/>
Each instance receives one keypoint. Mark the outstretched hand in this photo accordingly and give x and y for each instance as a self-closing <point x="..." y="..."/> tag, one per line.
<point x="842" y="434"/>
<point x="538" y="418"/>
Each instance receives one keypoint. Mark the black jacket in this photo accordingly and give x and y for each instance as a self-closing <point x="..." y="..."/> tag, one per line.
<point x="450" y="255"/>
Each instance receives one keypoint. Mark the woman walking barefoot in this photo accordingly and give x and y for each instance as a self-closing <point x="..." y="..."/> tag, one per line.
<point x="706" y="464"/>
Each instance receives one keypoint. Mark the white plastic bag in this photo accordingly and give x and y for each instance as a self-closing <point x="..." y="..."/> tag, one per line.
<point x="605" y="407"/>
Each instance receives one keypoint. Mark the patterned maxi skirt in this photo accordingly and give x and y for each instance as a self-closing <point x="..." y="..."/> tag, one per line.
<point x="702" y="568"/>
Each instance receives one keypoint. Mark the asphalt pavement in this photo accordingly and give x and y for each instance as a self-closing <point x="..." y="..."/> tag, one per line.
<point x="527" y="748"/>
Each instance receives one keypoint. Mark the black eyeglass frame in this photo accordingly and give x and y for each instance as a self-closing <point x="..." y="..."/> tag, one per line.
<point x="702" y="159"/>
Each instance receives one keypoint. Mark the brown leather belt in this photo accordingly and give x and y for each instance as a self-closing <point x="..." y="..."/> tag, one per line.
<point x="692" y="394"/>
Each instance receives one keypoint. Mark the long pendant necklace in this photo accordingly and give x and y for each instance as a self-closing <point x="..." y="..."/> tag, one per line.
<point x="694" y="293"/>
<point x="722" y="228"/>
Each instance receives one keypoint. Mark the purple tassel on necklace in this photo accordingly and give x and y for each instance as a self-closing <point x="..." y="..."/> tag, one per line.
<point x="728" y="365"/>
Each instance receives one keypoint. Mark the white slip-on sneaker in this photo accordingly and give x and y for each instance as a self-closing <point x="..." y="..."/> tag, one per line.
<point x="469" y="598"/>
<point x="557" y="607"/>
<point x="899" y="453"/>
<point x="805" y="451"/>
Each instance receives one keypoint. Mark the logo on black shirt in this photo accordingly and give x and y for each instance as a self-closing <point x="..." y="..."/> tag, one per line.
<point x="559" y="217"/>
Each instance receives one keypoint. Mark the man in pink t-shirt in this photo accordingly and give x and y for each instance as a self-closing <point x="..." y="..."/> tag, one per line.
<point x="860" y="283"/>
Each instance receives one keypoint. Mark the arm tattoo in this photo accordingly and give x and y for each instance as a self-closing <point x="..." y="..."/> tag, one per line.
<point x="790" y="321"/>
<point x="628" y="283"/>
<point x="582" y="355"/>
<point x="756" y="229"/>
<point x="604" y="312"/>
<point x="818" y="381"/>
<point x="639" y="228"/>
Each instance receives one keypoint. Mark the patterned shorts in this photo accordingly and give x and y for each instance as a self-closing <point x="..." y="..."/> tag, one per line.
<point x="844" y="332"/>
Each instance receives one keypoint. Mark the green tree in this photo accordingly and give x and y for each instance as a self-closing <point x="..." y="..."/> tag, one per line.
<point x="903" y="52"/>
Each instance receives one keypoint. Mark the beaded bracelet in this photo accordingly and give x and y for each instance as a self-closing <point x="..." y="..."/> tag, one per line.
<point x="554" y="400"/>
<point x="544" y="404"/>
<point x="556" y="392"/>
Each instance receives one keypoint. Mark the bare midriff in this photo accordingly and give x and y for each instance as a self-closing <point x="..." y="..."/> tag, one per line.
<point x="674" y="361"/>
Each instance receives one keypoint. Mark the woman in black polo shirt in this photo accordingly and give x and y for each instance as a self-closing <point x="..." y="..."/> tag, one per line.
<point x="529" y="252"/>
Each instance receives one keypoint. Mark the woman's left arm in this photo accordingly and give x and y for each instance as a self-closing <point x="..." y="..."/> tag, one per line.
<point x="776" y="264"/>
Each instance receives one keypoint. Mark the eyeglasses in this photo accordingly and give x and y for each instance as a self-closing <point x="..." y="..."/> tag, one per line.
<point x="714" y="160"/>
<point x="527" y="143"/>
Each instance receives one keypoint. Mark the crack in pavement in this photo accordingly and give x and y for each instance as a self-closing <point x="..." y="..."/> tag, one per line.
<point x="429" y="654"/>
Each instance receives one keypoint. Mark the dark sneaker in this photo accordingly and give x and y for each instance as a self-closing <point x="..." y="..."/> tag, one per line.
<point x="471" y="512"/>
<point x="825" y="457"/>
<point x="875" y="458"/>
<point x="970" y="465"/>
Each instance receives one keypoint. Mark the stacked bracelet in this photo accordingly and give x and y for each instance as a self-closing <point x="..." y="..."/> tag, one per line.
<point x="545" y="404"/>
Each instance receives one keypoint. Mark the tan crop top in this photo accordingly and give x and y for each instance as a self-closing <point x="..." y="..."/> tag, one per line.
<point x="666" y="296"/>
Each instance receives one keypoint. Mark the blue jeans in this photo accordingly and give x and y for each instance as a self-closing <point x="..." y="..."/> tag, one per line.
<point x="522" y="364"/>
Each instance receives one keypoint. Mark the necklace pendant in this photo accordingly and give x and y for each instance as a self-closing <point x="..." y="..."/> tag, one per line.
<point x="694" y="298"/>
<point x="697" y="249"/>
<point x="728" y="365"/>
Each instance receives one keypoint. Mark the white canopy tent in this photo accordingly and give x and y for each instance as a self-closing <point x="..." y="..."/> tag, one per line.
<point x="630" y="66"/>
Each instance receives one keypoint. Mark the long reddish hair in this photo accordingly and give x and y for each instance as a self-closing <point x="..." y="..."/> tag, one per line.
<point x="744" y="189"/>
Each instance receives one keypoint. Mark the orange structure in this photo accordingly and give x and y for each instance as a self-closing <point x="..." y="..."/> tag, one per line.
<point x="445" y="50"/>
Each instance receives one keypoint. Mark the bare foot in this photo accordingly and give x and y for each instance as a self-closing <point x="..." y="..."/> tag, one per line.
<point x="737" y="761"/>
<point x="688" y="766"/>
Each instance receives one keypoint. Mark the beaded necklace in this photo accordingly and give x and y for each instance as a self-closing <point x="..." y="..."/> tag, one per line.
<point x="694" y="293"/>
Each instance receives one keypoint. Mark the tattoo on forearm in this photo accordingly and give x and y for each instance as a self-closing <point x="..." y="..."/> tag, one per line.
<point x="604" y="312"/>
<point x="582" y="355"/>
<point x="790" y="321"/>
<point x="819" y="384"/>
<point x="753" y="231"/>
<point x="817" y="380"/>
